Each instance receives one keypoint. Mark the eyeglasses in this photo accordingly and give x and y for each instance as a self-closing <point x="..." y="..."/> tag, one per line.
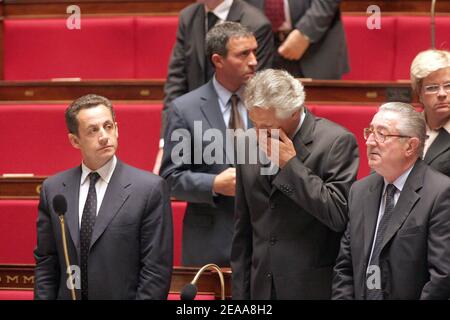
<point x="380" y="137"/>
<point x="434" y="88"/>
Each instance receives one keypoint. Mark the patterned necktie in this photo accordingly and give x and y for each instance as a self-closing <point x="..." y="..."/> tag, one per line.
<point x="376" y="293"/>
<point x="274" y="10"/>
<point x="87" y="225"/>
<point x="235" y="121"/>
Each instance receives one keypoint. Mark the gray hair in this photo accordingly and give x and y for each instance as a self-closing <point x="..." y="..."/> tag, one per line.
<point x="410" y="122"/>
<point x="217" y="38"/>
<point x="425" y="63"/>
<point x="276" y="89"/>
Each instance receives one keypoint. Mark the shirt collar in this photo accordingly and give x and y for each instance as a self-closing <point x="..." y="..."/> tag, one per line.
<point x="302" y="118"/>
<point x="222" y="10"/>
<point x="224" y="94"/>
<point x="105" y="171"/>
<point x="399" y="183"/>
<point x="447" y="126"/>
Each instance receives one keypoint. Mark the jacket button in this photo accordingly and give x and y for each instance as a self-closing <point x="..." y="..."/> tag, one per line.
<point x="272" y="205"/>
<point x="273" y="240"/>
<point x="269" y="275"/>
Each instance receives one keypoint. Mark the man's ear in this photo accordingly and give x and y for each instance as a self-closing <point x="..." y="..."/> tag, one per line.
<point x="217" y="60"/>
<point x="74" y="141"/>
<point x="412" y="146"/>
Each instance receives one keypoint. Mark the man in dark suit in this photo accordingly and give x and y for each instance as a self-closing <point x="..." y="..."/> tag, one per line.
<point x="203" y="177"/>
<point x="430" y="79"/>
<point x="189" y="67"/>
<point x="309" y="36"/>
<point x="288" y="225"/>
<point x="397" y="241"/>
<point x="119" y="219"/>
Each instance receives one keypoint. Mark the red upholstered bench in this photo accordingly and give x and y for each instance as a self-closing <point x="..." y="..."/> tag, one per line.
<point x="178" y="210"/>
<point x="45" y="48"/>
<point x="355" y="119"/>
<point x="33" y="138"/>
<point x="413" y="35"/>
<point x="155" y="38"/>
<point x="104" y="48"/>
<point x="371" y="52"/>
<point x="16" y="295"/>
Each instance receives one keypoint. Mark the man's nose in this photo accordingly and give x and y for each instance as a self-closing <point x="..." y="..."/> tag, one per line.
<point x="252" y="59"/>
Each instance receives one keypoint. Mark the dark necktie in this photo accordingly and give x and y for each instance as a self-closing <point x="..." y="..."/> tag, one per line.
<point x="377" y="294"/>
<point x="87" y="225"/>
<point x="274" y="10"/>
<point x="235" y="121"/>
<point x="209" y="68"/>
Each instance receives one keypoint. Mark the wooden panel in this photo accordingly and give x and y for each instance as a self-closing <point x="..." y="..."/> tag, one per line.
<point x="340" y="91"/>
<point x="20" y="187"/>
<point x="38" y="8"/>
<point x="70" y="90"/>
<point x="21" y="277"/>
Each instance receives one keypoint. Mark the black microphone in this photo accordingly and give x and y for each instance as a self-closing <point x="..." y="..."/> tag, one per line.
<point x="189" y="291"/>
<point x="60" y="207"/>
<point x="60" y="204"/>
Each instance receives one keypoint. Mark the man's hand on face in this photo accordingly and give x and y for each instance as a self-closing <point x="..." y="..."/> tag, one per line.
<point x="286" y="150"/>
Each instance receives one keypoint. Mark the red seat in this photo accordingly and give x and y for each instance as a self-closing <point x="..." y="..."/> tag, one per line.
<point x="34" y="136"/>
<point x="16" y="295"/>
<point x="413" y="35"/>
<point x="45" y="48"/>
<point x="355" y="119"/>
<point x="371" y="52"/>
<point x="178" y="209"/>
<point x="155" y="38"/>
<point x="17" y="231"/>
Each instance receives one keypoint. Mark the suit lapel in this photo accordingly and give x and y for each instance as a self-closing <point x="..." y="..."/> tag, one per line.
<point x="370" y="214"/>
<point x="302" y="141"/>
<point x="116" y="194"/>
<point x="406" y="201"/>
<point x="213" y="114"/>
<point x="235" y="12"/>
<point x="71" y="191"/>
<point x="440" y="145"/>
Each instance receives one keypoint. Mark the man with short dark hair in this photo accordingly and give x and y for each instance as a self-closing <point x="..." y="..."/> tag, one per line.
<point x="118" y="219"/>
<point x="206" y="184"/>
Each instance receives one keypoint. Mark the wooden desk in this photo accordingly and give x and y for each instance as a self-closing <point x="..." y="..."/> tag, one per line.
<point x="340" y="91"/>
<point x="21" y="277"/>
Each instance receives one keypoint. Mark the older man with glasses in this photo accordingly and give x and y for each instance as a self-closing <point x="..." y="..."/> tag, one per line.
<point x="397" y="241"/>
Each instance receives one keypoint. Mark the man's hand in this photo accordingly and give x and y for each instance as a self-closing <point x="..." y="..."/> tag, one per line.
<point x="286" y="150"/>
<point x="225" y="182"/>
<point x="294" y="46"/>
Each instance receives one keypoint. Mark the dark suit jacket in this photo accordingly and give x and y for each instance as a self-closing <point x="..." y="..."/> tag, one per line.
<point x="187" y="64"/>
<point x="320" y="20"/>
<point x="415" y="258"/>
<point x="131" y="248"/>
<point x="208" y="222"/>
<point x="288" y="232"/>
<point x="438" y="155"/>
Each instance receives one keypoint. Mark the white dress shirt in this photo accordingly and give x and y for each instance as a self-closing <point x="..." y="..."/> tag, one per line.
<point x="432" y="135"/>
<point x="105" y="173"/>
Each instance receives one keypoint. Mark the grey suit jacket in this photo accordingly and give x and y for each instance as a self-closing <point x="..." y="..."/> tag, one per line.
<point x="287" y="231"/>
<point x="187" y="64"/>
<point x="131" y="248"/>
<point x="320" y="20"/>
<point x="207" y="225"/>
<point x="415" y="258"/>
<point x="438" y="155"/>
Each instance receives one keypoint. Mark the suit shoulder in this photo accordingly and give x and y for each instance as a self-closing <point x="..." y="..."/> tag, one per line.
<point x="189" y="11"/>
<point x="253" y="17"/>
<point x="331" y="131"/>
<point x="436" y="179"/>
<point x="142" y="176"/>
<point x="191" y="99"/>
<point x="62" y="176"/>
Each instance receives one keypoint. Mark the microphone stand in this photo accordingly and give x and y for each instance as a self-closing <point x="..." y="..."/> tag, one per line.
<point x="216" y="268"/>
<point x="66" y="257"/>
<point x="433" y="43"/>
